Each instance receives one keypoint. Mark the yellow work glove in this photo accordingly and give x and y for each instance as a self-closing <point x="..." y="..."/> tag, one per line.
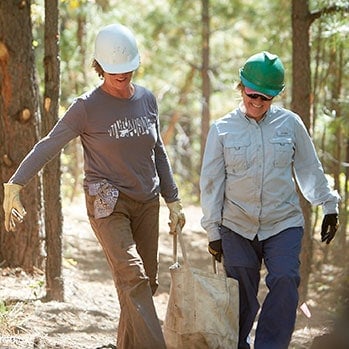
<point x="176" y="216"/>
<point x="13" y="208"/>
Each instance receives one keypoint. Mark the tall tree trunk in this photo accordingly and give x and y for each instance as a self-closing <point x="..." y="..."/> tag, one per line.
<point x="337" y="62"/>
<point x="52" y="173"/>
<point x="301" y="92"/>
<point x="206" y="90"/>
<point x="169" y="132"/>
<point x="344" y="217"/>
<point x="19" y="123"/>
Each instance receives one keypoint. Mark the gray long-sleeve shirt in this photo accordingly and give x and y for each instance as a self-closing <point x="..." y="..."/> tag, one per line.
<point x="121" y="142"/>
<point x="247" y="181"/>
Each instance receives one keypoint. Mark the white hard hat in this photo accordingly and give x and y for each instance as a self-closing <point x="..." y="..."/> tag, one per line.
<point x="116" y="49"/>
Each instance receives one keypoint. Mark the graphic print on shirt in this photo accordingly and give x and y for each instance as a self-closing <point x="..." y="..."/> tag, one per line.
<point x="131" y="127"/>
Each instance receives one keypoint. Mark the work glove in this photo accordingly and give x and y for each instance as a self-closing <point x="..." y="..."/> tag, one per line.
<point x="329" y="227"/>
<point x="215" y="248"/>
<point x="176" y="216"/>
<point x="13" y="208"/>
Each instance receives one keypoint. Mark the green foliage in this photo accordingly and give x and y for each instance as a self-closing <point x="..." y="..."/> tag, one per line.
<point x="3" y="308"/>
<point x="169" y="37"/>
<point x="37" y="288"/>
<point x="330" y="86"/>
<point x="10" y="318"/>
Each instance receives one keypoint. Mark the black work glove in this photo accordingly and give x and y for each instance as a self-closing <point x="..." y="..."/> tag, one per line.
<point x="329" y="227"/>
<point x="215" y="248"/>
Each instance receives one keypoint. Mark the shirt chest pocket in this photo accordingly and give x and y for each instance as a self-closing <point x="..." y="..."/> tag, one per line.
<point x="283" y="151"/>
<point x="235" y="156"/>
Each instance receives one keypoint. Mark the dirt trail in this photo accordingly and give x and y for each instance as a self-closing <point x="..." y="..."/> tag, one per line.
<point x="87" y="319"/>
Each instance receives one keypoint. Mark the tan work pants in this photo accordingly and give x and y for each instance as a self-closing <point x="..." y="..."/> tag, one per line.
<point x="129" y="238"/>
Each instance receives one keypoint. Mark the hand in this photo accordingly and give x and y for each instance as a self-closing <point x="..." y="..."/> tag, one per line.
<point x="13" y="208"/>
<point x="176" y="216"/>
<point x="329" y="227"/>
<point x="215" y="248"/>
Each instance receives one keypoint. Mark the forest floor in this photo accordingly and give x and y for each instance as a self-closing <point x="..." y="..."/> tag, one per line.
<point x="87" y="319"/>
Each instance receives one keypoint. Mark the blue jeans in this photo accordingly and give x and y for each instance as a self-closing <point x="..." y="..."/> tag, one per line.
<point x="242" y="261"/>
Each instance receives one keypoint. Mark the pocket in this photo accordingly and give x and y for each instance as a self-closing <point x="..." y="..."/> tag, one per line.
<point x="235" y="155"/>
<point x="283" y="151"/>
<point x="105" y="198"/>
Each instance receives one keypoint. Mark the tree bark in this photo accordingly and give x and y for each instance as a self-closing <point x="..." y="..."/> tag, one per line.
<point x="168" y="133"/>
<point x="300" y="104"/>
<point x="337" y="86"/>
<point x="206" y="89"/>
<point x="19" y="130"/>
<point x="52" y="173"/>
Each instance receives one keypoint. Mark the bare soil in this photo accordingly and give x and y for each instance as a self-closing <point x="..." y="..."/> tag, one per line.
<point x="88" y="317"/>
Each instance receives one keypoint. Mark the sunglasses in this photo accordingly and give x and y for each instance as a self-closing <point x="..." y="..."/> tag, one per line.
<point x="256" y="95"/>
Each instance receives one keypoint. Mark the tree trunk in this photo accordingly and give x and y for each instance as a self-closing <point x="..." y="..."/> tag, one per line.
<point x="19" y="123"/>
<point x="52" y="173"/>
<point x="206" y="90"/>
<point x="167" y="135"/>
<point x="336" y="73"/>
<point x="344" y="219"/>
<point x="301" y="92"/>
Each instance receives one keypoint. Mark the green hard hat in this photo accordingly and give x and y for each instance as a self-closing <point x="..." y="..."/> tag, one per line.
<point x="263" y="72"/>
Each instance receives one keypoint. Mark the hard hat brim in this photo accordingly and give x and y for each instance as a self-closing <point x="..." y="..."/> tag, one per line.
<point x="121" y="68"/>
<point x="263" y="90"/>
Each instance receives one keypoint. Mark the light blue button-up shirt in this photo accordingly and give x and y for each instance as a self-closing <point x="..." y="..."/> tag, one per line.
<point x="249" y="170"/>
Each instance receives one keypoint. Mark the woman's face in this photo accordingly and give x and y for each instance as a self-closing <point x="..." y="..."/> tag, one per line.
<point x="118" y="82"/>
<point x="255" y="104"/>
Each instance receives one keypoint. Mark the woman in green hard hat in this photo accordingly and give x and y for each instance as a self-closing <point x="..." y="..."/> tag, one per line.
<point x="251" y="208"/>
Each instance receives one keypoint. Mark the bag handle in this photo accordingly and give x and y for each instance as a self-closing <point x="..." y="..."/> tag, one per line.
<point x="178" y="236"/>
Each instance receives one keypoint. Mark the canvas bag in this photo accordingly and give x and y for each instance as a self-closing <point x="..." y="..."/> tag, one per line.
<point x="203" y="307"/>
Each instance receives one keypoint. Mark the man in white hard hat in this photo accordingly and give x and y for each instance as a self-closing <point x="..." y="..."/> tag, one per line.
<point x="126" y="170"/>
